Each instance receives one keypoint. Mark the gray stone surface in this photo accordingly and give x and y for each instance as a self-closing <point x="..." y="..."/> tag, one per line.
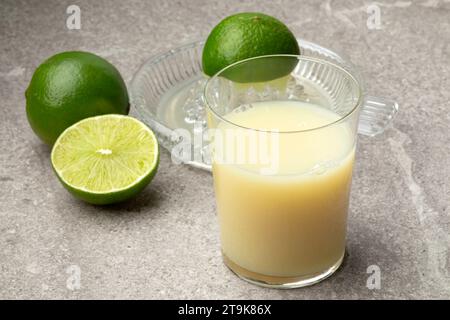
<point x="164" y="243"/>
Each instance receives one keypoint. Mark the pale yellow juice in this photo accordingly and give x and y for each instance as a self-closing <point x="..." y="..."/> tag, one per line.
<point x="292" y="221"/>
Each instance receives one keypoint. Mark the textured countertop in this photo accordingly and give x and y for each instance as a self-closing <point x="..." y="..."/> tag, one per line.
<point x="164" y="243"/>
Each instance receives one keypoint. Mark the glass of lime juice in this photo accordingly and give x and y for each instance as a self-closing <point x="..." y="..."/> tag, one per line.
<point x="283" y="132"/>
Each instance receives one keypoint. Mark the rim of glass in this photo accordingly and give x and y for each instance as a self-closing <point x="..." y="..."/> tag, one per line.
<point x="299" y="57"/>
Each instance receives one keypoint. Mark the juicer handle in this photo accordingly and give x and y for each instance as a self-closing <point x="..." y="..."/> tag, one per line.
<point x="375" y="115"/>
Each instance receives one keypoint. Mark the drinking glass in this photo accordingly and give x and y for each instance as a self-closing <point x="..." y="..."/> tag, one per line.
<point x="283" y="131"/>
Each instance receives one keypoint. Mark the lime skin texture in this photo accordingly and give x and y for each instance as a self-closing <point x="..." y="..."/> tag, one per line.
<point x="247" y="35"/>
<point x="71" y="86"/>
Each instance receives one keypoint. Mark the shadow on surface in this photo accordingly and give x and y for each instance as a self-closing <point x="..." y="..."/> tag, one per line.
<point x="147" y="200"/>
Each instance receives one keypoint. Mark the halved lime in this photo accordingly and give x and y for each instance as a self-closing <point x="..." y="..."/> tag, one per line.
<point x="247" y="35"/>
<point x="106" y="159"/>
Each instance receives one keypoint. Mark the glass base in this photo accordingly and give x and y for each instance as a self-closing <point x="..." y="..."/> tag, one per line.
<point x="280" y="282"/>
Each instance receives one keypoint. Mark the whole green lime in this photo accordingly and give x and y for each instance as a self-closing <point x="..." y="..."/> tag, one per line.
<point x="247" y="35"/>
<point x="71" y="86"/>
